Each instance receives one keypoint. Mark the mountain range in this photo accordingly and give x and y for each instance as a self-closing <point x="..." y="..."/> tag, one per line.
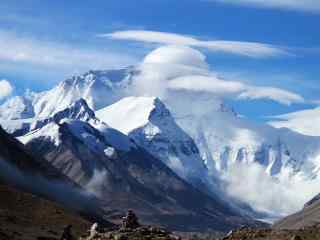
<point x="148" y="152"/>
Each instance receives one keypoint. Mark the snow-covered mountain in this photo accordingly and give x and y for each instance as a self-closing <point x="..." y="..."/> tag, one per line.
<point x="198" y="122"/>
<point x="151" y="125"/>
<point x="225" y="138"/>
<point x="80" y="118"/>
<point x="304" y="122"/>
<point x="98" y="88"/>
<point x="124" y="175"/>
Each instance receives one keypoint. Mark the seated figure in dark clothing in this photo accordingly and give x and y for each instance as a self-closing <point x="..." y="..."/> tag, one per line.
<point x="130" y="221"/>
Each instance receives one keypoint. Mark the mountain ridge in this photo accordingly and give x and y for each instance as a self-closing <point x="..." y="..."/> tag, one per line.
<point x="125" y="178"/>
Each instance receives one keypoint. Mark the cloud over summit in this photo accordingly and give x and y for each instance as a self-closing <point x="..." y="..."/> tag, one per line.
<point x="184" y="68"/>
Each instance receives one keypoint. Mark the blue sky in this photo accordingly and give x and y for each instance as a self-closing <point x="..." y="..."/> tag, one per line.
<point x="68" y="30"/>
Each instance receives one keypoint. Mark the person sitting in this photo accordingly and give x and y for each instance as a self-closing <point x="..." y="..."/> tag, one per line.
<point x="130" y="220"/>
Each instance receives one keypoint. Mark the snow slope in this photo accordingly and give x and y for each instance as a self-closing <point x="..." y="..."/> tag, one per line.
<point x="98" y="88"/>
<point x="227" y="139"/>
<point x="150" y="124"/>
<point x="81" y="121"/>
<point x="128" y="114"/>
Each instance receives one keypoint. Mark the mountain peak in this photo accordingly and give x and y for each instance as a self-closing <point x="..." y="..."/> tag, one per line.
<point x="140" y="109"/>
<point x="160" y="110"/>
<point x="98" y="88"/>
<point x="149" y="122"/>
<point x="111" y="76"/>
<point x="77" y="110"/>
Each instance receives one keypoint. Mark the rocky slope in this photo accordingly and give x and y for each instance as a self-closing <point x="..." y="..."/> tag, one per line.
<point x="37" y="200"/>
<point x="24" y="216"/>
<point x="23" y="171"/>
<point x="309" y="233"/>
<point x="309" y="216"/>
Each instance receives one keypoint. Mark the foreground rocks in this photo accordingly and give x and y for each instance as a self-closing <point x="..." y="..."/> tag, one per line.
<point x="131" y="229"/>
<point x="140" y="233"/>
<point x="309" y="233"/>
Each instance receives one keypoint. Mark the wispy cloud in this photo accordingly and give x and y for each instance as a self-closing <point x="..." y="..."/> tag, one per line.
<point x="19" y="49"/>
<point x="6" y="88"/>
<point x="299" y="5"/>
<point x="276" y="94"/>
<point x="248" y="49"/>
<point x="216" y="85"/>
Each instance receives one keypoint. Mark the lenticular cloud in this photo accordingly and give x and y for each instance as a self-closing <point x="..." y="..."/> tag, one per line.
<point x="182" y="68"/>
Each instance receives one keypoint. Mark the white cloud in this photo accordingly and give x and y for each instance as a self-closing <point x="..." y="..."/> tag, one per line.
<point x="97" y="183"/>
<point x="56" y="55"/>
<point x="212" y="84"/>
<point x="181" y="55"/>
<point x="248" y="49"/>
<point x="275" y="94"/>
<point x="301" y="5"/>
<point x="301" y="121"/>
<point x="6" y="88"/>
<point x="165" y="64"/>
<point x="277" y="196"/>
<point x="183" y="68"/>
